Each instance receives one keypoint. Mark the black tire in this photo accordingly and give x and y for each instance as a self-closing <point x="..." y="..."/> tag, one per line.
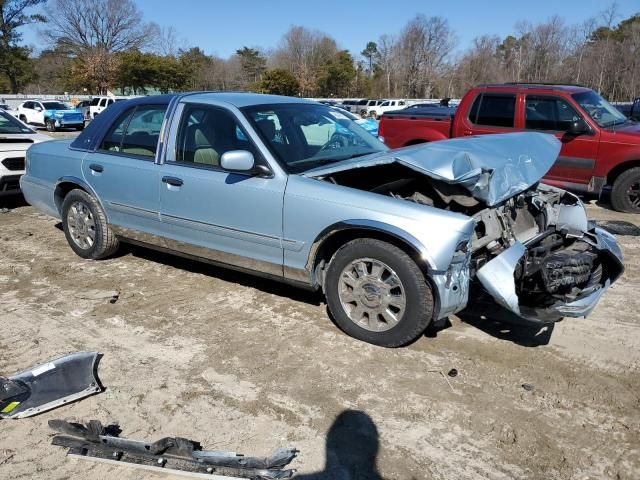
<point x="50" y="126"/>
<point x="418" y="310"/>
<point x="105" y="242"/>
<point x="625" y="193"/>
<point x="23" y="119"/>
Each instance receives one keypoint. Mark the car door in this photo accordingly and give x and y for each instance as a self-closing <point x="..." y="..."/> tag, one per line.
<point x="123" y="171"/>
<point x="38" y="113"/>
<point x="232" y="218"/>
<point x="554" y="115"/>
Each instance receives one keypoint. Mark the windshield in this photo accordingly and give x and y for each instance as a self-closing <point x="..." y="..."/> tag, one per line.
<point x="54" y="106"/>
<point x="601" y="111"/>
<point x="9" y="124"/>
<point x="305" y="136"/>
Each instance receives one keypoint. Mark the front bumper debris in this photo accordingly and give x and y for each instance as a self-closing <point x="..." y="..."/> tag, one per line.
<point x="169" y="455"/>
<point x="50" y="385"/>
<point x="498" y="277"/>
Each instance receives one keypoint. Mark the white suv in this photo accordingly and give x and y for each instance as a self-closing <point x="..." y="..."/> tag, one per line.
<point x="386" y="106"/>
<point x="98" y="104"/>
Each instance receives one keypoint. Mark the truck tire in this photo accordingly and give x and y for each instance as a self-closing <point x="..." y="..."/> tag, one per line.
<point x="50" y="125"/>
<point x="85" y="226"/>
<point x="377" y="293"/>
<point x="625" y="193"/>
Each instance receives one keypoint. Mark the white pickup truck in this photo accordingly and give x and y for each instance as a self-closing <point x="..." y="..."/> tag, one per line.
<point x="386" y="106"/>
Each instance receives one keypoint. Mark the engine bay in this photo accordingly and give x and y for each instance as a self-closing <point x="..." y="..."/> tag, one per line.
<point x="560" y="263"/>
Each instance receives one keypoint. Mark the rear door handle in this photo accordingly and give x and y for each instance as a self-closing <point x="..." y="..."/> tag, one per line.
<point x="96" y="168"/>
<point x="176" y="182"/>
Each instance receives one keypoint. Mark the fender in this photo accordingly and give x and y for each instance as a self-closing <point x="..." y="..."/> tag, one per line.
<point x="80" y="183"/>
<point x="363" y="224"/>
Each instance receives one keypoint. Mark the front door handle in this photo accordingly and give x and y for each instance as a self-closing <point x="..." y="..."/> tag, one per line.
<point x="176" y="182"/>
<point x="467" y="132"/>
<point x="96" y="168"/>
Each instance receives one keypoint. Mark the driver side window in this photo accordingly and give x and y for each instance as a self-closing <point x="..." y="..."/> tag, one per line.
<point x="548" y="113"/>
<point x="206" y="133"/>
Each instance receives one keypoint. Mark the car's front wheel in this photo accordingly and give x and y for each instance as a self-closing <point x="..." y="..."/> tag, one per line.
<point x="50" y="125"/>
<point x="377" y="293"/>
<point x="85" y="226"/>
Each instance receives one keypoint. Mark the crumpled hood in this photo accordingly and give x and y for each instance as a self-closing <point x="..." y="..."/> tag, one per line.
<point x="492" y="167"/>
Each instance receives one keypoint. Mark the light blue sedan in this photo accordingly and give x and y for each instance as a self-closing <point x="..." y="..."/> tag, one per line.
<point x="294" y="190"/>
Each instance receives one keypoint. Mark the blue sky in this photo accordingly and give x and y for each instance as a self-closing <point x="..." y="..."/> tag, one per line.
<point x="220" y="27"/>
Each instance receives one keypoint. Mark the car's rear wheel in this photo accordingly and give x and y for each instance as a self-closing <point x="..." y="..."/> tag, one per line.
<point x="625" y="193"/>
<point x="377" y="293"/>
<point x="85" y="226"/>
<point x="50" y="125"/>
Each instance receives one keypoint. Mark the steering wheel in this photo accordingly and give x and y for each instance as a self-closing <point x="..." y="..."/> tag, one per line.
<point x="336" y="141"/>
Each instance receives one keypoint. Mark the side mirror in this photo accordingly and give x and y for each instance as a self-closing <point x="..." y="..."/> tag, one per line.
<point x="37" y="109"/>
<point x="237" y="161"/>
<point x="579" y="127"/>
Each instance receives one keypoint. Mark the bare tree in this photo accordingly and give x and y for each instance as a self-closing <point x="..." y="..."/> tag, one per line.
<point x="108" y="25"/>
<point x="166" y="40"/>
<point x="303" y="52"/>
<point x="423" y="46"/>
<point x="93" y="32"/>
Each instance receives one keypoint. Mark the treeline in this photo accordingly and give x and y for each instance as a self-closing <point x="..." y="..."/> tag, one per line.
<point x="105" y="45"/>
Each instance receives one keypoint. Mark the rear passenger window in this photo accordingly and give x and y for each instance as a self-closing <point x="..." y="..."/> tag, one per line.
<point x="136" y="132"/>
<point x="494" y="110"/>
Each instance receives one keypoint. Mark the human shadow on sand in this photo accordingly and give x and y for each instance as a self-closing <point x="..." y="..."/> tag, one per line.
<point x="351" y="450"/>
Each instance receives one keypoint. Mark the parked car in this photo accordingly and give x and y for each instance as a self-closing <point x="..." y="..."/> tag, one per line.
<point x="362" y="109"/>
<point x="394" y="239"/>
<point x="600" y="146"/>
<point x="386" y="106"/>
<point x="9" y="110"/>
<point x="51" y="114"/>
<point x="99" y="104"/>
<point x="369" y="124"/>
<point x="630" y="110"/>
<point x="83" y="106"/>
<point x="15" y="139"/>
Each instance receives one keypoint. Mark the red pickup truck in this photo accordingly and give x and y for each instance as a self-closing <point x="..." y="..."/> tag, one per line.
<point x="600" y="146"/>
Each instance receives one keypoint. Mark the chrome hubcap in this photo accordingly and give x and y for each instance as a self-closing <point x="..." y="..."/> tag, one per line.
<point x="372" y="294"/>
<point x="81" y="224"/>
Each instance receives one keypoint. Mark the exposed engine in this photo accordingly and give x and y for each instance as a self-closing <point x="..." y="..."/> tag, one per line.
<point x="560" y="263"/>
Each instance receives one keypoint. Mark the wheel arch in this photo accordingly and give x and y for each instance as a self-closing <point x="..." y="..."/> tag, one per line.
<point x="619" y="169"/>
<point x="333" y="237"/>
<point x="68" y="183"/>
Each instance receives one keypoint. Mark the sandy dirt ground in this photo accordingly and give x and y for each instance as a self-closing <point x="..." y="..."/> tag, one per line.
<point x="249" y="365"/>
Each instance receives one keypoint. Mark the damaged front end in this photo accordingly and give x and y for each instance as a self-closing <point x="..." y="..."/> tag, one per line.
<point x="539" y="257"/>
<point x="532" y="248"/>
